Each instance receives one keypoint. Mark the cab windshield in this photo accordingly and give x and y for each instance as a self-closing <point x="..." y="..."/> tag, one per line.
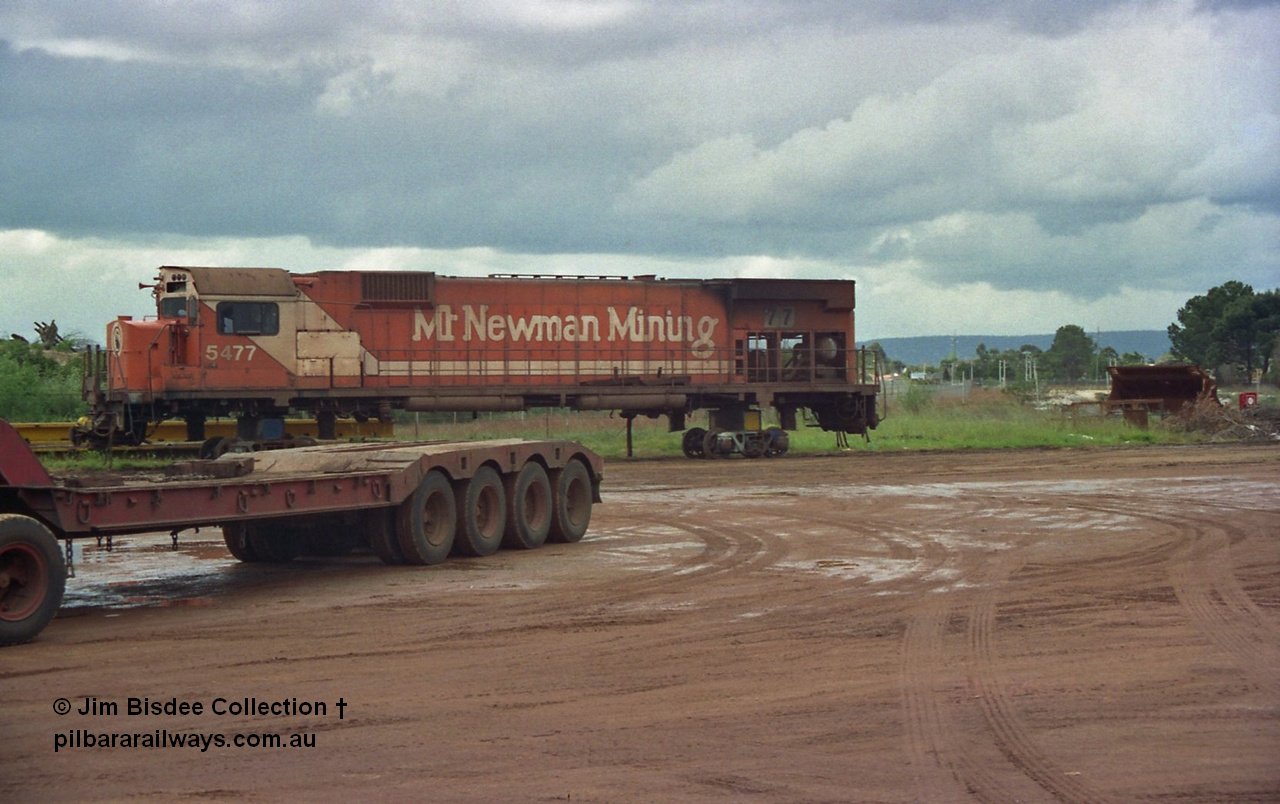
<point x="174" y="307"/>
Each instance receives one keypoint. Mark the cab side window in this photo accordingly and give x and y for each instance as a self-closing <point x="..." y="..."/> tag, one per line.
<point x="248" y="318"/>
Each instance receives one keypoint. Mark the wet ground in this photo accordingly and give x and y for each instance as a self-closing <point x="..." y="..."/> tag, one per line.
<point x="1093" y="625"/>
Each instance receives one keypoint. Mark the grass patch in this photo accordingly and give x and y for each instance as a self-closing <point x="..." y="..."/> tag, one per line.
<point x="984" y="420"/>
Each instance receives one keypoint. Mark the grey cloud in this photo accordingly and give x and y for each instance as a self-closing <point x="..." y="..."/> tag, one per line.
<point x="1015" y="143"/>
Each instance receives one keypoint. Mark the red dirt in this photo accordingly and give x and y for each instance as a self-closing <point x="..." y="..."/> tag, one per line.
<point x="1093" y="625"/>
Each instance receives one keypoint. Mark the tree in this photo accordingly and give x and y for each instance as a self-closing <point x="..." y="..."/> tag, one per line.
<point x="1227" y="328"/>
<point x="1071" y="355"/>
<point x="36" y="387"/>
<point x="1266" y="311"/>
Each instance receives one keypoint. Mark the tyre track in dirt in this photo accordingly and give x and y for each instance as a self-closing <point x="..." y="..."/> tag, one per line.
<point x="947" y="762"/>
<point x="1013" y="737"/>
<point x="1198" y="564"/>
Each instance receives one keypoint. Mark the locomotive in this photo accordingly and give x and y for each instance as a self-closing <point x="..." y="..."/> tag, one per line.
<point x="257" y="344"/>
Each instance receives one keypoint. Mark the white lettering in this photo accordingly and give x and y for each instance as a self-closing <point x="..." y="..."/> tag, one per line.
<point x="629" y="329"/>
<point x="475" y="322"/>
<point x="635" y="325"/>
<point x="439" y="326"/>
<point x="704" y="346"/>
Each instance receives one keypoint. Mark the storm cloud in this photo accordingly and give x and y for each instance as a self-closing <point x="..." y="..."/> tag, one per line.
<point x="1102" y="159"/>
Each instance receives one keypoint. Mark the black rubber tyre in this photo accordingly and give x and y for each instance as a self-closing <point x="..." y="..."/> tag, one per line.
<point x="32" y="578"/>
<point x="380" y="530"/>
<point x="236" y="536"/>
<point x="482" y="514"/>
<point x="330" y="542"/>
<point x="528" y="507"/>
<point x="571" y="502"/>
<point x="691" y="444"/>
<point x="426" y="522"/>
<point x="272" y="543"/>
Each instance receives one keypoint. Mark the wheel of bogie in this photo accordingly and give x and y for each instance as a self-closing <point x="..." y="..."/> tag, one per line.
<point x="427" y="521"/>
<point x="776" y="442"/>
<point x="32" y="578"/>
<point x="482" y="514"/>
<point x="272" y="543"/>
<point x="528" y="507"/>
<point x="380" y="530"/>
<point x="713" y="446"/>
<point x="692" y="442"/>
<point x="570" y="502"/>
<point x="753" y="446"/>
<point x="236" y="536"/>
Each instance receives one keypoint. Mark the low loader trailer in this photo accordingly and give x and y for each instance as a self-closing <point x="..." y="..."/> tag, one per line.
<point x="412" y="503"/>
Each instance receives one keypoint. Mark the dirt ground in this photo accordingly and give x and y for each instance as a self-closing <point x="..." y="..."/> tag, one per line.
<point x="1084" y="626"/>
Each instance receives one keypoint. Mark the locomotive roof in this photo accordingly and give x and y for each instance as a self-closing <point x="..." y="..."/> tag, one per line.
<point x="216" y="281"/>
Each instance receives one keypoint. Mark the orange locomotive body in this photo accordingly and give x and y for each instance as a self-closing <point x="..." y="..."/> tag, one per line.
<point x="257" y="343"/>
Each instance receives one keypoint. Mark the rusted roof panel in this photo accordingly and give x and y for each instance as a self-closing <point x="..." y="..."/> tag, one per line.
<point x="239" y="281"/>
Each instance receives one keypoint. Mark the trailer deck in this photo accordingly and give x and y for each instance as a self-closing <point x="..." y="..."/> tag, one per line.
<point x="410" y="503"/>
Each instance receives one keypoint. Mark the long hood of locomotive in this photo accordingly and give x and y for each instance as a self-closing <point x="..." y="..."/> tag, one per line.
<point x="472" y="332"/>
<point x="534" y="329"/>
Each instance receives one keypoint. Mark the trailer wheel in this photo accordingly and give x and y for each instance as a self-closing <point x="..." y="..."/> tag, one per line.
<point x="691" y="444"/>
<point x="571" y="505"/>
<point x="380" y="529"/>
<point x="236" y="536"/>
<point x="426" y="521"/>
<point x="482" y="514"/>
<point x="329" y="543"/>
<point x="32" y="578"/>
<point x="528" y="507"/>
<point x="280" y="547"/>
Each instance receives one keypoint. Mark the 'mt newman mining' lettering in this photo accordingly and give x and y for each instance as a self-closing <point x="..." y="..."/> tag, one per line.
<point x="475" y="323"/>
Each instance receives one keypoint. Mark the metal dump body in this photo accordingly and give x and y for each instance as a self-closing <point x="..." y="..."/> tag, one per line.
<point x="1137" y="391"/>
<point x="1165" y="388"/>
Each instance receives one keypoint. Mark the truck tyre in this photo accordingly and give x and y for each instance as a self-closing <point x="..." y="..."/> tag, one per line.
<point x="32" y="578"/>
<point x="278" y="546"/>
<point x="482" y="514"/>
<point x="425" y="522"/>
<point x="236" y="536"/>
<point x="571" y="502"/>
<point x="339" y="536"/>
<point x="528" y="507"/>
<point x="380" y="530"/>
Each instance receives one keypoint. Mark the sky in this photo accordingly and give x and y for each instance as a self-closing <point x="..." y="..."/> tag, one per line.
<point x="993" y="167"/>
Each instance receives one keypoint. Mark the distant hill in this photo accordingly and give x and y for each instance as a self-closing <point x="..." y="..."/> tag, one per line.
<point x="930" y="350"/>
